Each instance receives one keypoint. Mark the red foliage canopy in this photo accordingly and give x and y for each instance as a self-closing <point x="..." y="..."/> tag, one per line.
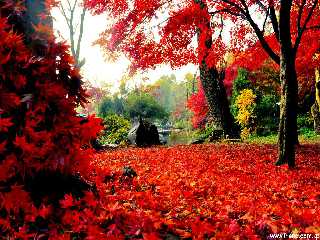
<point x="39" y="129"/>
<point x="162" y="31"/>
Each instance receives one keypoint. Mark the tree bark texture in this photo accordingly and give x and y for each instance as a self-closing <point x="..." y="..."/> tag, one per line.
<point x="219" y="111"/>
<point x="289" y="90"/>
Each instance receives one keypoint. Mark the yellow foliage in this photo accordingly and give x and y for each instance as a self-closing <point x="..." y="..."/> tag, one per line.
<point x="245" y="103"/>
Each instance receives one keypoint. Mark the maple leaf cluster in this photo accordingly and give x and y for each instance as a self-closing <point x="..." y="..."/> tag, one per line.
<point x="198" y="105"/>
<point x="39" y="129"/>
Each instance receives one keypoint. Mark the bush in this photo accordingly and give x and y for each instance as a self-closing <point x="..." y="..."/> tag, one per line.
<point x="240" y="83"/>
<point x="205" y="132"/>
<point x="267" y="110"/>
<point x="246" y="104"/>
<point x="143" y="105"/>
<point x="116" y="130"/>
<point x="110" y="105"/>
<point x="305" y="121"/>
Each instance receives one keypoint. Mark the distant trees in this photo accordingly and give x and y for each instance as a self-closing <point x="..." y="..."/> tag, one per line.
<point x="134" y="105"/>
<point x="139" y="104"/>
<point x="173" y="95"/>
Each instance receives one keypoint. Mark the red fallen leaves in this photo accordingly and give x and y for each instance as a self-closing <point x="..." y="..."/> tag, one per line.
<point x="199" y="192"/>
<point x="220" y="191"/>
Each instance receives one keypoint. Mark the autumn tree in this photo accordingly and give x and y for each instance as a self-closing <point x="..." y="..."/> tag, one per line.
<point x="132" y="34"/>
<point x="283" y="26"/>
<point x="280" y="36"/>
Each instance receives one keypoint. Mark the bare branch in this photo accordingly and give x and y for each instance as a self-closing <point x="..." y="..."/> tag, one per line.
<point x="313" y="27"/>
<point x="64" y="14"/>
<point x="226" y="10"/>
<point x="80" y="33"/>
<point x="222" y="26"/>
<point x="266" y="9"/>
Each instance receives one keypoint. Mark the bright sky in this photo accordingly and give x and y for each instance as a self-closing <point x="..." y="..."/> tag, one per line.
<point x="97" y="70"/>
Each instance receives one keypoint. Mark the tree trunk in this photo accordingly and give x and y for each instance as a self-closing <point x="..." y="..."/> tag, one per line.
<point x="288" y="135"/>
<point x="219" y="111"/>
<point x="213" y="86"/>
<point x="288" y="112"/>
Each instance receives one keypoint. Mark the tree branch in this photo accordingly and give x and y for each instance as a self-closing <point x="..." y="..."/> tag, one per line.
<point x="246" y="13"/>
<point x="80" y="34"/>
<point x="313" y="27"/>
<point x="274" y="21"/>
<point x="304" y="27"/>
<point x="300" y="12"/>
<point x="64" y="14"/>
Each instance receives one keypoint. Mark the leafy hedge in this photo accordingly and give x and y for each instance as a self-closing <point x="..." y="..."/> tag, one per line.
<point x="116" y="130"/>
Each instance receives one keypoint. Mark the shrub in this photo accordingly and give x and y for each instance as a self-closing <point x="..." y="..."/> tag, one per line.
<point x="268" y="110"/>
<point x="116" y="129"/>
<point x="143" y="105"/>
<point x="246" y="104"/>
<point x="305" y="121"/>
<point x="240" y="83"/>
<point x="111" y="105"/>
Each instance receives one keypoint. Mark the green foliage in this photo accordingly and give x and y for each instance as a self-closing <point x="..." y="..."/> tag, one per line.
<point x="144" y="105"/>
<point x="205" y="132"/>
<point x="116" y="129"/>
<point x="268" y="110"/>
<point x="182" y="124"/>
<point x="173" y="95"/>
<point x="308" y="135"/>
<point x="106" y="107"/>
<point x="305" y="121"/>
<point x="111" y="105"/>
<point x="269" y="139"/>
<point x="240" y="83"/>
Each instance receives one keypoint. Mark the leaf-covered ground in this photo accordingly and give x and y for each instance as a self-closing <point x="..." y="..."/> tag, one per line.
<point x="219" y="191"/>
